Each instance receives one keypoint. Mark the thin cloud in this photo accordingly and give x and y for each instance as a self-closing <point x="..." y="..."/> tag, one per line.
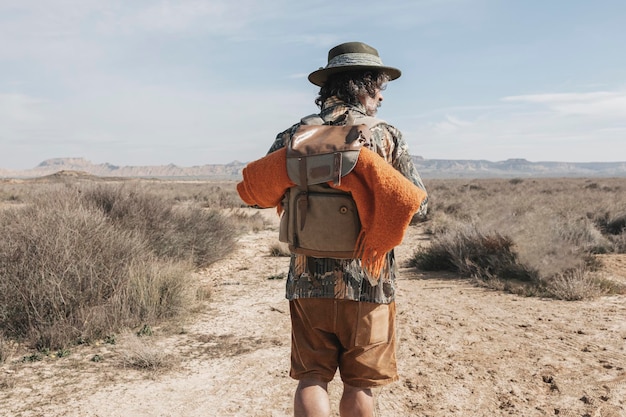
<point x="451" y="124"/>
<point x="567" y="126"/>
<point x="93" y="18"/>
<point x="182" y="17"/>
<point x="602" y="104"/>
<point x="19" y="108"/>
<point x="300" y="75"/>
<point x="562" y="97"/>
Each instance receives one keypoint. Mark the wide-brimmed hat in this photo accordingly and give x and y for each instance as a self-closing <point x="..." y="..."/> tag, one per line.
<point x="352" y="56"/>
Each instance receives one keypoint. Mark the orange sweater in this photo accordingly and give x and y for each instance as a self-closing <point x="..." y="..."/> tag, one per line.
<point x="385" y="200"/>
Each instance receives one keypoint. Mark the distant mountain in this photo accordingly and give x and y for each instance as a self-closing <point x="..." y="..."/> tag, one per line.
<point x="447" y="168"/>
<point x="50" y="166"/>
<point x="428" y="168"/>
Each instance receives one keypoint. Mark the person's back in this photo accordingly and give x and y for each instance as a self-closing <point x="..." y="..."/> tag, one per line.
<point x="342" y="317"/>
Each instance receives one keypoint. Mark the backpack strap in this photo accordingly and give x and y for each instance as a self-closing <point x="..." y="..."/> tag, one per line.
<point x="370" y="121"/>
<point x="303" y="201"/>
<point x="350" y="119"/>
<point x="312" y="119"/>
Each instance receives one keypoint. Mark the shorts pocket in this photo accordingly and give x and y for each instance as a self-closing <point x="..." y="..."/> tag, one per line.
<point x="372" y="325"/>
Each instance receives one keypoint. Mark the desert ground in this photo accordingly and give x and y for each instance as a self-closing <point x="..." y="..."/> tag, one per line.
<point x="464" y="350"/>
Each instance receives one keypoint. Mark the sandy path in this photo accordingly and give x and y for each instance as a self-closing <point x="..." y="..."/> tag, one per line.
<point x="463" y="351"/>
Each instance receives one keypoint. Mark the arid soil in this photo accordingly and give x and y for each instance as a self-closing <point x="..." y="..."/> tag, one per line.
<point x="463" y="351"/>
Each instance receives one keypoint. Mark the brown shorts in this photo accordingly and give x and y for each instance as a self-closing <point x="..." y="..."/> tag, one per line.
<point x="356" y="337"/>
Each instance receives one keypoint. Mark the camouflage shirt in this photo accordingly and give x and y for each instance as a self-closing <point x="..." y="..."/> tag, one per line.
<point x="311" y="277"/>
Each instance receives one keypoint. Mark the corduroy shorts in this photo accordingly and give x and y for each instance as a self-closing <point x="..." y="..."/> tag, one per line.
<point x="358" y="338"/>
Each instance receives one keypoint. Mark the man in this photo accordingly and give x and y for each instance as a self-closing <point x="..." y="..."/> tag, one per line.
<point x="341" y="319"/>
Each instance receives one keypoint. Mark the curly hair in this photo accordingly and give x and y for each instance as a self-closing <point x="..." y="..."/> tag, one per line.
<point x="351" y="85"/>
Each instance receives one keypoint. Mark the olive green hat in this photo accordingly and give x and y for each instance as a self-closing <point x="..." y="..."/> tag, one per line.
<point x="352" y="56"/>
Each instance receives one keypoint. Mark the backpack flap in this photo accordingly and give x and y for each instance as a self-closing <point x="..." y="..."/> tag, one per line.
<point x="322" y="153"/>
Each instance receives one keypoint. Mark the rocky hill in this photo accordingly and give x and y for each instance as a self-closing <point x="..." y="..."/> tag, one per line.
<point x="428" y="168"/>
<point x="50" y="166"/>
<point x="445" y="168"/>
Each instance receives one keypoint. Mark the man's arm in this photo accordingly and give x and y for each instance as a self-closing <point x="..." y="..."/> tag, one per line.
<point x="405" y="165"/>
<point x="282" y="138"/>
<point x="403" y="162"/>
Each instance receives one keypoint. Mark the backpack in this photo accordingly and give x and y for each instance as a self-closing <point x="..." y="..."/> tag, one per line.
<point x="319" y="220"/>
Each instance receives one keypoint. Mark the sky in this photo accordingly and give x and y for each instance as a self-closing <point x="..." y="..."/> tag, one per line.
<point x="195" y="82"/>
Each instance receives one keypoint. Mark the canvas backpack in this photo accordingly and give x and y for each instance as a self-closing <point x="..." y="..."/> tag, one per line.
<point x="319" y="220"/>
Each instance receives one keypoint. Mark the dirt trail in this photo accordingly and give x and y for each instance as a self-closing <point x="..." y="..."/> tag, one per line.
<point x="463" y="351"/>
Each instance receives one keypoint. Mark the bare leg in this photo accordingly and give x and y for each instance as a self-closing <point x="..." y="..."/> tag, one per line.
<point x="356" y="402"/>
<point x="311" y="399"/>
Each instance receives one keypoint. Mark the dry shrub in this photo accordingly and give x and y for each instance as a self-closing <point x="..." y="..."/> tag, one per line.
<point x="175" y="233"/>
<point x="434" y="257"/>
<point x="472" y="253"/>
<point x="554" y="225"/>
<point x="582" y="235"/>
<point x="553" y="244"/>
<point x="56" y="266"/>
<point x="80" y="263"/>
<point x="619" y="242"/>
<point x="158" y="290"/>
<point x="613" y="225"/>
<point x="575" y="284"/>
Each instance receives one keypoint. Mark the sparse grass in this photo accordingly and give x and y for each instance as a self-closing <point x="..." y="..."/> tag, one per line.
<point x="541" y="232"/>
<point x="204" y="292"/>
<point x="277" y="276"/>
<point x="6" y="349"/>
<point x="146" y="330"/>
<point x="280" y="250"/>
<point x="7" y="382"/>
<point x="33" y="357"/>
<point x="576" y="284"/>
<point x="206" y="194"/>
<point x="139" y="354"/>
<point x="249" y="221"/>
